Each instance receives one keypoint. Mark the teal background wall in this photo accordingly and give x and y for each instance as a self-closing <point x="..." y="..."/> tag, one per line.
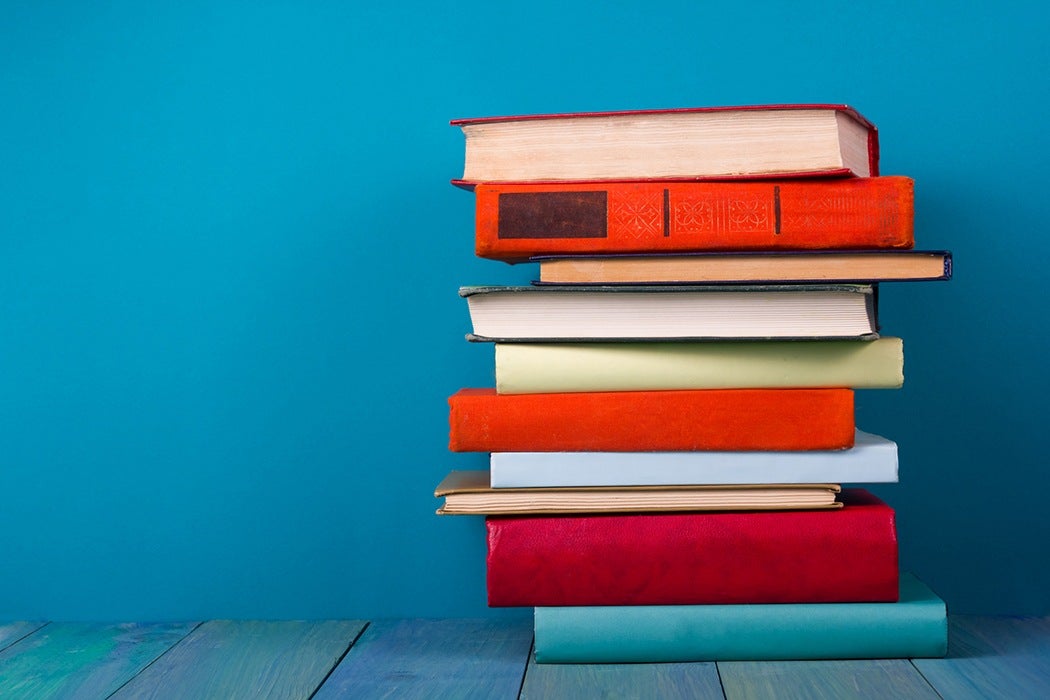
<point x="229" y="255"/>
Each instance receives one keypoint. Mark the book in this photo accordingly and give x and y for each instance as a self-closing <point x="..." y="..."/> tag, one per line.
<point x="516" y="221"/>
<point x="914" y="626"/>
<point x="532" y="368"/>
<point x="671" y="144"/>
<point x="831" y="556"/>
<point x="872" y="459"/>
<point x="469" y="493"/>
<point x="754" y="268"/>
<point x="481" y="420"/>
<point x="515" y="314"/>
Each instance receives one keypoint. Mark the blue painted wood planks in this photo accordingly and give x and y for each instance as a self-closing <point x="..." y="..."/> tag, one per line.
<point x="459" y="659"/>
<point x="82" y="660"/>
<point x="864" y="679"/>
<point x="684" y="681"/>
<point x="992" y="657"/>
<point x="246" y="659"/>
<point x="11" y="632"/>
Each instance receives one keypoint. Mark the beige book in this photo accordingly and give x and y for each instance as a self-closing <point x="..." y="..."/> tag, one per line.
<point x="527" y="368"/>
<point x="469" y="493"/>
<point x="867" y="266"/>
<point x="670" y="144"/>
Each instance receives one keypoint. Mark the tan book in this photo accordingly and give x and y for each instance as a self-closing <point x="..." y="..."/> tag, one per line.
<point x="827" y="267"/>
<point x="469" y="493"/>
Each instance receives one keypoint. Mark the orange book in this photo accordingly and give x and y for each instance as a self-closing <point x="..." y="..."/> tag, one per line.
<point x="640" y="421"/>
<point x="517" y="221"/>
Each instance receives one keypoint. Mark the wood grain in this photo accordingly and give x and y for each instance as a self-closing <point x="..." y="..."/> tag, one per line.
<point x="989" y="657"/>
<point x="246" y="659"/>
<point x="992" y="657"/>
<point x="838" y="680"/>
<point x="583" y="681"/>
<point x="11" y="632"/>
<point x="459" y="659"/>
<point x="82" y="660"/>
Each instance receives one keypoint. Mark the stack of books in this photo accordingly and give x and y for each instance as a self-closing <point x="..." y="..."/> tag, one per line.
<point x="673" y="416"/>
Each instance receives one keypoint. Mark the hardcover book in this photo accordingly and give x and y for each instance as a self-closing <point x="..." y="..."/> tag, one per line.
<point x="671" y="144"/>
<point x="832" y="556"/>
<point x="517" y="221"/>
<point x="872" y="459"/>
<point x="510" y="314"/>
<point x="915" y="626"/>
<point x="480" y="420"/>
<point x="532" y="368"/>
<point x="752" y="268"/>
<point x="469" y="493"/>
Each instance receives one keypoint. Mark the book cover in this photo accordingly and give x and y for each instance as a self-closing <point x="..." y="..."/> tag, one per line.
<point x="662" y="312"/>
<point x="914" y="626"/>
<point x="671" y="144"/>
<point x="826" y="266"/>
<point x="469" y="493"/>
<point x="834" y="556"/>
<point x="517" y="221"/>
<point x="481" y="420"/>
<point x="872" y="459"/>
<point x="530" y="368"/>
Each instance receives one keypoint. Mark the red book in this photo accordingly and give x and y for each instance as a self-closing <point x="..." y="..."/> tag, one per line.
<point x="640" y="421"/>
<point x="516" y="221"/>
<point x="837" y="556"/>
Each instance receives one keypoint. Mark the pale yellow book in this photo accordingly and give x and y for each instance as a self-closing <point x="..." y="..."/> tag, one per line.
<point x="526" y="368"/>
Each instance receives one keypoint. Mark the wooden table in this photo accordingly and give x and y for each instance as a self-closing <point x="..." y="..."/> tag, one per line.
<point x="989" y="657"/>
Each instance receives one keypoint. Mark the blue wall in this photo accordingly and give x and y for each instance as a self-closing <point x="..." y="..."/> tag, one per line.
<point x="229" y="256"/>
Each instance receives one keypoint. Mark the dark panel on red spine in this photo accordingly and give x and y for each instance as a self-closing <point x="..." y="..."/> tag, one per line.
<point x="553" y="215"/>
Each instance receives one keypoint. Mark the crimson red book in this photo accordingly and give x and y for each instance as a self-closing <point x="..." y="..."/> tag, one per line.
<point x="481" y="420"/>
<point x="516" y="221"/>
<point x="839" y="556"/>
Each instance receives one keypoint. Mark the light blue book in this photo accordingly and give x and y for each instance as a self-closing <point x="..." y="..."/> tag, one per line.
<point x="872" y="459"/>
<point x="915" y="626"/>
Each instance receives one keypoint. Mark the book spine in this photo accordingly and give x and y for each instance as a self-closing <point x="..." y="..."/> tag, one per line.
<point x="872" y="460"/>
<point x="529" y="368"/>
<point x="847" y="555"/>
<point x="745" y="419"/>
<point x="517" y="221"/>
<point x="914" y="627"/>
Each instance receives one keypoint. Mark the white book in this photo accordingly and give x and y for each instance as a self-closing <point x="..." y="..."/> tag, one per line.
<point x="872" y="459"/>
<point x="668" y="312"/>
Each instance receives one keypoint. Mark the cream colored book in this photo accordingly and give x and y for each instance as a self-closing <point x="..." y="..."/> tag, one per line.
<point x="526" y="368"/>
<point x="469" y="493"/>
<point x="686" y="144"/>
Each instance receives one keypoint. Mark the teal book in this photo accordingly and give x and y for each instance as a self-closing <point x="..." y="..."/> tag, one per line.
<point x="915" y="626"/>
